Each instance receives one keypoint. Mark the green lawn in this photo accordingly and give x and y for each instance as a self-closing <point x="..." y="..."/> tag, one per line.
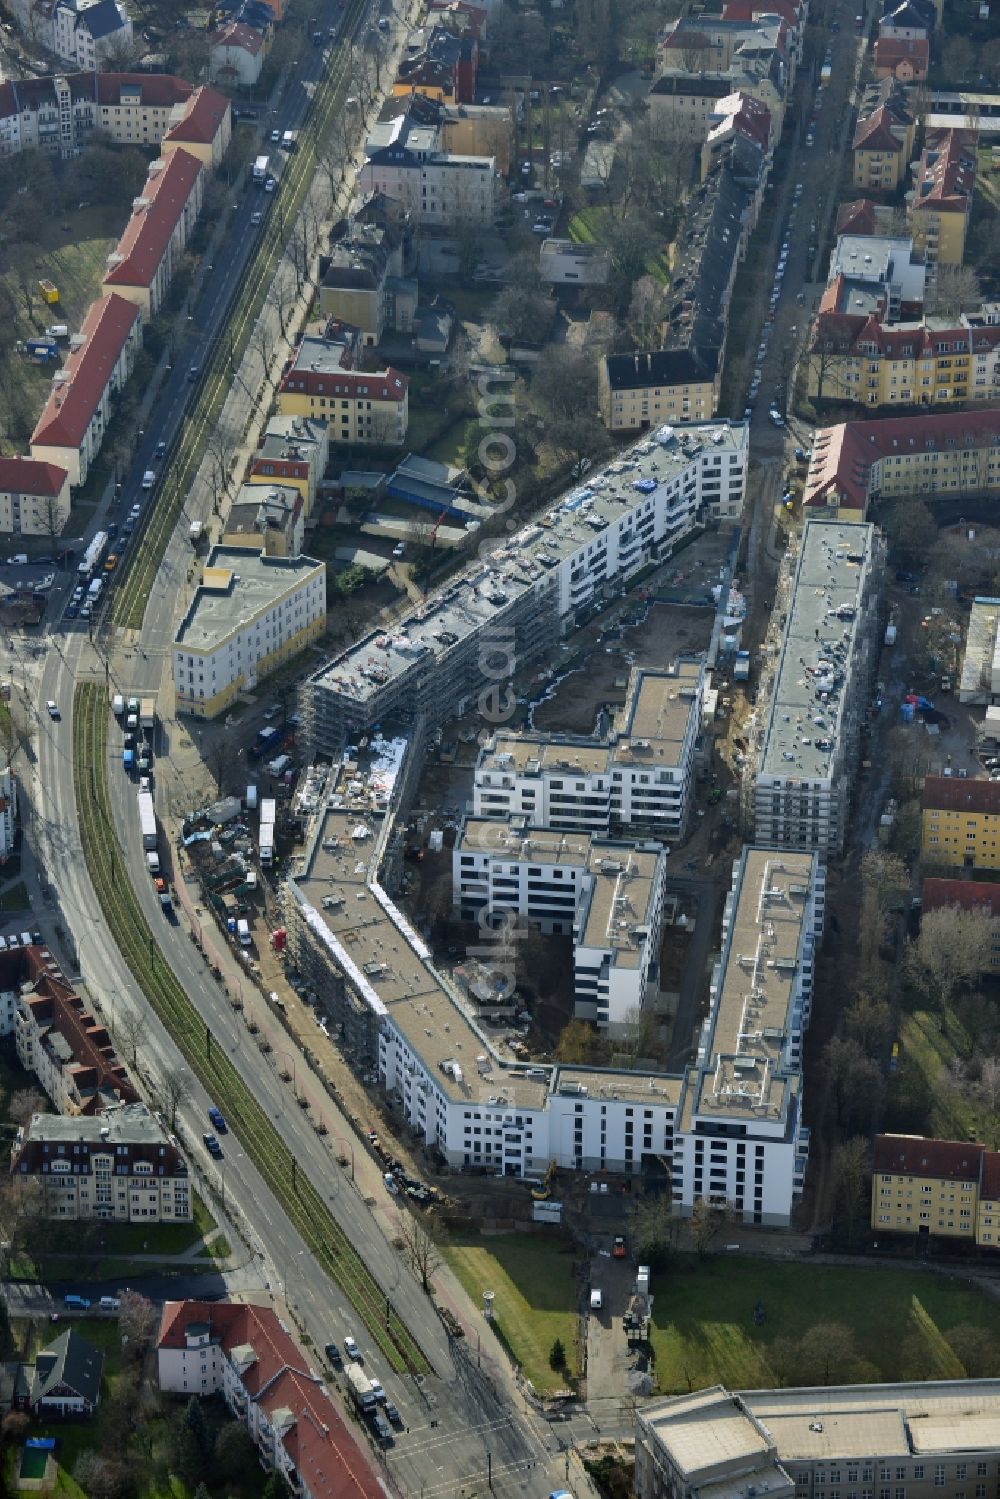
<point x="593" y="226"/>
<point x="703" y="1330"/>
<point x="16" y="898"/>
<point x="535" y="1296"/>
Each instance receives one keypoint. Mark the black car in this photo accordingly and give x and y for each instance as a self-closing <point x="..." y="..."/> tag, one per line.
<point x="333" y="1354"/>
<point x="393" y="1414"/>
<point x="213" y="1147"/>
<point x="381" y="1428"/>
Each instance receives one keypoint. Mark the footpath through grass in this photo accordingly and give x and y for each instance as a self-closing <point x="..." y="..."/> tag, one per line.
<point x="272" y="1157"/>
<point x="703" y="1332"/>
<point x="535" y="1297"/>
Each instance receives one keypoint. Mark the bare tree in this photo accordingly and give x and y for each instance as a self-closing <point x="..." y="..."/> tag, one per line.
<point x="646" y="313"/>
<point x="707" y="1221"/>
<point x="131" y="1028"/>
<point x="175" y="1090"/>
<point x="954" y="948"/>
<point x="137" y="1320"/>
<point x="956" y="290"/>
<point x="219" y="451"/>
<point x="24" y="1104"/>
<point x="851" y="1168"/>
<point x="421" y="1248"/>
<point x="989" y="1083"/>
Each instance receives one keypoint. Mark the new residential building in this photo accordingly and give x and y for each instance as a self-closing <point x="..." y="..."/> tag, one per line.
<point x="58" y="1038"/>
<point x="608" y="895"/>
<point x="34" y="497"/>
<point x="404" y="160"/>
<point x="248" y="616"/>
<point x="931" y="1440"/>
<point x="815" y="688"/>
<point x="246" y="1354"/>
<point x="949" y="1188"/>
<point x="938" y="453"/>
<point x="323" y="382"/>
<point x="71" y="428"/>
<point x="980" y="680"/>
<point x="121" y="1166"/>
<point x="640" y="778"/>
<point x="961" y="822"/>
<point x="460" y="644"/>
<point x="142" y="264"/>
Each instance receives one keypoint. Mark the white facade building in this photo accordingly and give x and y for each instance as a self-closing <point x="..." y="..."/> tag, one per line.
<point x="607" y="894"/>
<point x="250" y="614"/>
<point x="402" y="159"/>
<point x="8" y="813"/>
<point x="806" y="744"/>
<point x="544" y="580"/>
<point x="640" y="778"/>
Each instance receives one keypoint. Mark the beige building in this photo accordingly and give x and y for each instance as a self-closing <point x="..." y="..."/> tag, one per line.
<point x="636" y="391"/>
<point x="949" y="1188"/>
<point x="479" y="130"/>
<point x="121" y="1166"/>
<point x="249" y="616"/>
<point x="293" y="451"/>
<point x="266" y="518"/>
<point x="323" y="382"/>
<point x="933" y="1440"/>
<point x="34" y="498"/>
<point x="60" y="113"/>
<point x="142" y="264"/>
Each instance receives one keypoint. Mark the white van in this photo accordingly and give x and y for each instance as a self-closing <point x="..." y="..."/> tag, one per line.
<point x="153" y="862"/>
<point x="596" y="1301"/>
<point x="148" y="479"/>
<point x="109" y="1304"/>
<point x="118" y="705"/>
<point x="243" y="932"/>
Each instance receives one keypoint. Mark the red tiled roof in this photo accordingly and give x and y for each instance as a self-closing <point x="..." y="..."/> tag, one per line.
<point x="969" y="895"/>
<point x="202" y="120"/>
<point x="989" y="1185"/>
<point x="73" y="401"/>
<point x="141" y="249"/>
<point x="913" y="1155"/>
<point x="843" y="454"/>
<point x="875" y="133"/>
<point x="239" y="35"/>
<point x="946" y="173"/>
<point x="29" y="476"/>
<point x="325" y="1453"/>
<point x="157" y="90"/>
<point x="953" y="794"/>
<point x="890" y="51"/>
<point x="857" y="217"/>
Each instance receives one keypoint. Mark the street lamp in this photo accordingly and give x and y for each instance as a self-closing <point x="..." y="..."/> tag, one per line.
<point x="341" y="1140"/>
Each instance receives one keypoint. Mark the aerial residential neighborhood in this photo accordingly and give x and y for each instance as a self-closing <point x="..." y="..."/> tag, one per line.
<point x="500" y="749"/>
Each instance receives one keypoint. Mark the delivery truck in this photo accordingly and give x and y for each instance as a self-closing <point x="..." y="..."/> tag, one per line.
<point x="147" y="819"/>
<point x="260" y="170"/>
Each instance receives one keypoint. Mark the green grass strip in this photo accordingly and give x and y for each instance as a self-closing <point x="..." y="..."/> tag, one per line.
<point x="206" y="1058"/>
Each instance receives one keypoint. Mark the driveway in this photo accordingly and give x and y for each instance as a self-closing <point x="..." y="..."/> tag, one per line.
<point x="607" y="1363"/>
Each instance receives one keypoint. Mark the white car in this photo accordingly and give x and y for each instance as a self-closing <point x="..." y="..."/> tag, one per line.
<point x="399" y="550"/>
<point x="270" y="185"/>
<point x="351" y="1349"/>
<point x="256" y="217"/>
<point x="53" y="708"/>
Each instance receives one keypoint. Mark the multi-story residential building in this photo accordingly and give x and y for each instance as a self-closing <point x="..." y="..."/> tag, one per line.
<point x="204" y="128"/>
<point x="478" y="130"/>
<point x="142" y="264"/>
<point x="908" y="20"/>
<point x="980" y="679"/>
<point x="71" y="428"/>
<point x="246" y="1354"/>
<point x="267" y="519"/>
<point x="61" y="113"/>
<point x="121" y="1166"/>
<point x="608" y="895"/>
<point x="814" y="690"/>
<point x="883" y="139"/>
<point x="904" y="58"/>
<point x="404" y="160"/>
<point x="683" y="105"/>
<point x="441" y="65"/>
<point x="938" y="361"/>
<point x="323" y="381"/>
<point x="546" y="578"/>
<point x="937" y="453"/>
<point x="236" y="55"/>
<point x="292" y="452"/>
<point x="34" y="497"/>
<point x="738" y="116"/>
<point x="949" y="1188"/>
<point x="59" y="1040"/>
<point x="940" y="203"/>
<point x="636" y="391"/>
<point x="357" y="286"/>
<point x="880" y="269"/>
<point x="710" y="42"/>
<point x="731" y="1124"/>
<point x="961" y="822"/>
<point x="82" y="33"/>
<point x="931" y="1440"/>
<point x="249" y="615"/>
<point x="640" y="778"/>
<point x="8" y="813"/>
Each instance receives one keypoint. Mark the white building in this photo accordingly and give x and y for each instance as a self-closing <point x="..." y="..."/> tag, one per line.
<point x="546" y="579"/>
<point x="8" y="813"/>
<point x="607" y="894"/>
<point x="403" y="160"/>
<point x="806" y="743"/>
<point x="250" y="614"/>
<point x="34" y="501"/>
<point x="640" y="778"/>
<point x="980" y="680"/>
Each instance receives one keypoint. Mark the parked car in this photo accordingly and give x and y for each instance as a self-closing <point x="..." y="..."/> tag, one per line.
<point x="351" y="1349"/>
<point x="333" y="1354"/>
<point x="212" y="1146"/>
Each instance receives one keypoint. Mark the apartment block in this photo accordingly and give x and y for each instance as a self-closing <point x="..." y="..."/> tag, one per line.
<point x="71" y="428"/>
<point x="61" y="112"/>
<point x="355" y="287"/>
<point x="119" y="1166"/>
<point x="324" y="383"/>
<point x="856" y="357"/>
<point x="203" y="128"/>
<point x="931" y="1440"/>
<point x="815" y="688"/>
<point x="8" y="813"/>
<point x="641" y="778"/>
<point x="883" y="138"/>
<point x="949" y="1188"/>
<point x="637" y="391"/>
<point x="940" y="203"/>
<point x="250" y="614"/>
<point x="961" y="822"/>
<point x="81" y="33"/>
<point x="142" y="264"/>
<point x="34" y="497"/>
<point x="267" y="519"/>
<point x="292" y="452"/>
<point x="608" y="895"/>
<point x="458" y="646"/>
<point x="59" y="1039"/>
<point x="937" y="453"/>
<point x="246" y="1354"/>
<point x="404" y="160"/>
